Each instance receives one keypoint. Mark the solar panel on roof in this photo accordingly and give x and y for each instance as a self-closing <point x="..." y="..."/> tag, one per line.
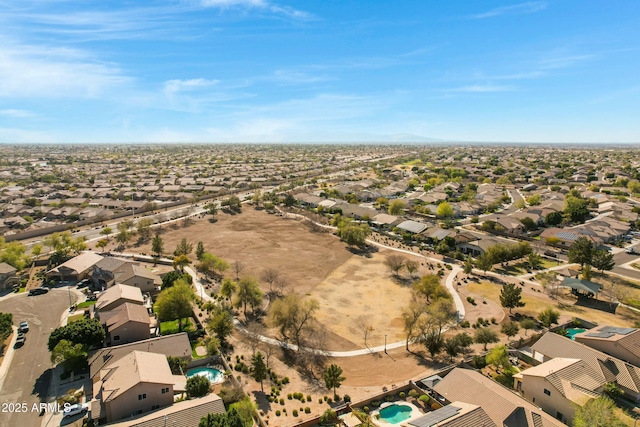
<point x="565" y="235"/>
<point x="617" y="330"/>
<point x="599" y="334"/>
<point x="433" y="418"/>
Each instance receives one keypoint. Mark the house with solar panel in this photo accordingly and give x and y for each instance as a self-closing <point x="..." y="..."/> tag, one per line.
<point x="622" y="343"/>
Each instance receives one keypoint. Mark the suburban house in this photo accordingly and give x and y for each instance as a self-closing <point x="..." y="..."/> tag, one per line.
<point x="607" y="368"/>
<point x="8" y="276"/>
<point x="504" y="407"/>
<point x="116" y="296"/>
<point x="136" y="383"/>
<point x="559" y="386"/>
<point x="126" y="323"/>
<point x="457" y="414"/>
<point x="176" y="345"/>
<point x="182" y="414"/>
<point x="76" y="268"/>
<point x="111" y="270"/>
<point x="622" y="343"/>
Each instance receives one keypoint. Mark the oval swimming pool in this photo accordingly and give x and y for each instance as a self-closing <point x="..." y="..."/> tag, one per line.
<point x="212" y="374"/>
<point x="395" y="414"/>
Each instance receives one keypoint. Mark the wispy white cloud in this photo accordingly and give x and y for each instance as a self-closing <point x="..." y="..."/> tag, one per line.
<point x="515" y="9"/>
<point x="41" y="71"/>
<point x="16" y="114"/>
<point x="557" y="60"/>
<point x="172" y="87"/>
<point x="486" y="88"/>
<point x="260" y="5"/>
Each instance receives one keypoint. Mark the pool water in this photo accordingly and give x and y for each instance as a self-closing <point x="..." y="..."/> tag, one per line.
<point x="394" y="414"/>
<point x="571" y="332"/>
<point x="212" y="374"/>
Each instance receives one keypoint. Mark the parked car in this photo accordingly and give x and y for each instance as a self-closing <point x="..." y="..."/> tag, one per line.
<point x="24" y="326"/>
<point x="83" y="283"/>
<point x="20" y="341"/>
<point x="550" y="254"/>
<point x="631" y="251"/>
<point x="38" y="291"/>
<point x="78" y="408"/>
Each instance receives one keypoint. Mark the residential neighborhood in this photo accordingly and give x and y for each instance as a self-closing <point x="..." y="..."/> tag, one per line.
<point x="411" y="285"/>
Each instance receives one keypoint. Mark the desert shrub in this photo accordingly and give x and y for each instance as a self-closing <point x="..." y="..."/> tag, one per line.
<point x="402" y="395"/>
<point x="278" y="413"/>
<point x="307" y="410"/>
<point x="463" y="324"/>
<point x="347" y="398"/>
<point x="295" y="412"/>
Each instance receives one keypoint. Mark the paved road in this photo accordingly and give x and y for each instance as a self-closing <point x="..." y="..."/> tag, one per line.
<point x="29" y="375"/>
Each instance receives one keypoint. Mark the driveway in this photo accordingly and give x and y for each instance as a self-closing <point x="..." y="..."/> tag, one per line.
<point x="29" y="375"/>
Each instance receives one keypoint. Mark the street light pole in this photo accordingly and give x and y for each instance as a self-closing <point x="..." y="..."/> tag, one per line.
<point x="385" y="343"/>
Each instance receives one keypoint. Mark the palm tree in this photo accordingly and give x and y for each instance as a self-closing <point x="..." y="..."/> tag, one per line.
<point x="333" y="377"/>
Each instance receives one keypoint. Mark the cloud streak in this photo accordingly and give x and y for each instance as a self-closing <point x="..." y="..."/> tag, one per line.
<point x="259" y="5"/>
<point x="16" y="114"/>
<point x="515" y="9"/>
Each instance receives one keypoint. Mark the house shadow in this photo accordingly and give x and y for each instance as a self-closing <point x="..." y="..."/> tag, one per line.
<point x="608" y="307"/>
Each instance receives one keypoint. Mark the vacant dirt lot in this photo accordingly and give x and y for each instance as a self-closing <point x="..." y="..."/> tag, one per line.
<point x="354" y="290"/>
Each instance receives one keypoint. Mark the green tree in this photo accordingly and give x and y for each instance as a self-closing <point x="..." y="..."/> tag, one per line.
<point x="293" y="315"/>
<point x="180" y="262"/>
<point x="106" y="232"/>
<point x="248" y="293"/>
<point x="529" y="224"/>
<point x="144" y="228"/>
<point x="597" y="413"/>
<point x="174" y="303"/>
<point x="88" y="332"/>
<point x="221" y="324"/>
<point x="333" y="377"/>
<point x="499" y="357"/>
<point x="429" y="286"/>
<point x="211" y="264"/>
<point x="535" y="260"/>
<point x="259" y="368"/>
<point x="72" y="356"/>
<point x="171" y="277"/>
<point x="576" y="209"/>
<point x="485" y="336"/>
<point x="178" y="365"/>
<point x="581" y="251"/>
<point x="228" y="288"/>
<point x="548" y="317"/>
<point x="411" y="317"/>
<point x="354" y="234"/>
<point x="211" y="209"/>
<point x="102" y="243"/>
<point x="468" y="265"/>
<point x="484" y="262"/>
<point x="199" y="251"/>
<point x="553" y="219"/>
<point x="444" y="210"/>
<point x="511" y="296"/>
<point x="433" y="342"/>
<point x="6" y="322"/>
<point x="184" y="248"/>
<point x="227" y="419"/>
<point x="246" y="410"/>
<point x="157" y="246"/>
<point x="603" y="260"/>
<point x="451" y="347"/>
<point x="396" y="207"/>
<point x="510" y="329"/>
<point x="197" y="386"/>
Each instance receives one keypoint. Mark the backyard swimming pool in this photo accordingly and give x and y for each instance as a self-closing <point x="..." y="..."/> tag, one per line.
<point x="395" y="414"/>
<point x="212" y="374"/>
<point x="571" y="332"/>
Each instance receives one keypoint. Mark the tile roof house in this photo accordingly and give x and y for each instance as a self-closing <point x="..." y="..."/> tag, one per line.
<point x="113" y="270"/>
<point x="136" y="383"/>
<point x="622" y="343"/>
<point x="176" y="345"/>
<point x="126" y="323"/>
<point x="503" y="406"/>
<point x="116" y="296"/>
<point x="457" y="414"/>
<point x="8" y="276"/>
<point x="76" y="268"/>
<point x="559" y="386"/>
<point x="608" y="368"/>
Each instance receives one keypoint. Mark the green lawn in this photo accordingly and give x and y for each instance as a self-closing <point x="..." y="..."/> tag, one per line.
<point x="86" y="304"/>
<point x="195" y="344"/>
<point x="75" y="317"/>
<point x="171" y="326"/>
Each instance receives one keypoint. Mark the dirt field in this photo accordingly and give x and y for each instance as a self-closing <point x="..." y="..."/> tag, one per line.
<point x="353" y="289"/>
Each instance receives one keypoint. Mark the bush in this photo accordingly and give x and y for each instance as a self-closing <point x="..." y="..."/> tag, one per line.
<point x="463" y="324"/>
<point x="471" y="301"/>
<point x="424" y="399"/>
<point x="295" y="412"/>
<point x="282" y="401"/>
<point x="365" y="409"/>
<point x="413" y="393"/>
<point x="347" y="398"/>
<point x="278" y="413"/>
<point x="448" y="266"/>
<point x="493" y="320"/>
<point x="329" y="400"/>
<point x="479" y="362"/>
<point x="285" y="380"/>
<point x="375" y="403"/>
<point x="197" y="386"/>
<point x="307" y="410"/>
<point x="308" y="398"/>
<point x="320" y="400"/>
<point x="402" y="395"/>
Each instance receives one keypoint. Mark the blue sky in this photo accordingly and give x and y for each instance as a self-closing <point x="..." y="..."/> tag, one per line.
<point x="320" y="70"/>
